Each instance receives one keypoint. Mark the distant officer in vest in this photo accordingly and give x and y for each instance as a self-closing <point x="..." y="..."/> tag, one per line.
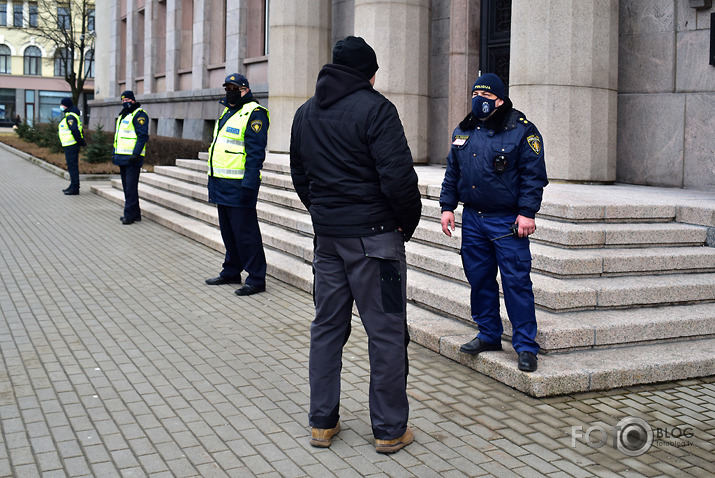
<point x="130" y="138"/>
<point x="71" y="137"/>
<point x="235" y="160"/>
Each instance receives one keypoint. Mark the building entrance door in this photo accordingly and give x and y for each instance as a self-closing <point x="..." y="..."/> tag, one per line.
<point x="495" y="38"/>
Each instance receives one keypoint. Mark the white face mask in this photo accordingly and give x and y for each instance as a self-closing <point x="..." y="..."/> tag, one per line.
<point x="63" y="108"/>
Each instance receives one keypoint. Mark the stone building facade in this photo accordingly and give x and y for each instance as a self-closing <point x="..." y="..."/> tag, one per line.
<point x="621" y="90"/>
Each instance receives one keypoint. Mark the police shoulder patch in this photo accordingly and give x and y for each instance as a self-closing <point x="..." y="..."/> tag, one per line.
<point x="256" y="125"/>
<point x="141" y="120"/>
<point x="535" y="143"/>
<point x="70" y="121"/>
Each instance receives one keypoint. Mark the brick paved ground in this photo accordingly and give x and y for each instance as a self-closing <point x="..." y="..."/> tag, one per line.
<point x="117" y="360"/>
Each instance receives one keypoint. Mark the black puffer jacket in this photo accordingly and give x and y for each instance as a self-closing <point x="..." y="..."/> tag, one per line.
<point x="350" y="162"/>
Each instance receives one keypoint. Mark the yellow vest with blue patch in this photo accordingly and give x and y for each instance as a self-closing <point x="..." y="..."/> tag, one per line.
<point x="227" y="154"/>
<point x="125" y="137"/>
<point x="66" y="136"/>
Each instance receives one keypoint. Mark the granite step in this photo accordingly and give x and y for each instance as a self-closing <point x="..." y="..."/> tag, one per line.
<point x="557" y="332"/>
<point x="198" y="176"/>
<point x="551" y="228"/>
<point x="563" y="373"/>
<point x="551" y="293"/>
<point x="283" y="266"/>
<point x="547" y="259"/>
<point x="576" y="371"/>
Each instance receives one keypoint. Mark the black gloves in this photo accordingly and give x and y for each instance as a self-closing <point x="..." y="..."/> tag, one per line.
<point x="134" y="159"/>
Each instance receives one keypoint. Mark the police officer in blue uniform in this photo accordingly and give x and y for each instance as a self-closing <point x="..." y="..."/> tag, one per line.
<point x="235" y="161"/>
<point x="496" y="168"/>
<point x="72" y="138"/>
<point x="130" y="138"/>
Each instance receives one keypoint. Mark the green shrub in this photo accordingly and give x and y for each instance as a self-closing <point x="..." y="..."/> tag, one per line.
<point x="164" y="150"/>
<point x="23" y="131"/>
<point x="100" y="146"/>
<point x="47" y="137"/>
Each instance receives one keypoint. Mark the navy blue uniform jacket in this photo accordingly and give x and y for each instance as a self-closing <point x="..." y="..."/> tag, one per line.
<point x="471" y="177"/>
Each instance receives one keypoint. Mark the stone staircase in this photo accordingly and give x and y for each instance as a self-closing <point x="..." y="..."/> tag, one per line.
<point x="623" y="282"/>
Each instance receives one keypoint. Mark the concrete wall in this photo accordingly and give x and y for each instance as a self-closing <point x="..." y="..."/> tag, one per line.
<point x="666" y="95"/>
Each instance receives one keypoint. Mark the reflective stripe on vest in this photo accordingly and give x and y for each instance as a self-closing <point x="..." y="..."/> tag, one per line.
<point x="66" y="136"/>
<point x="227" y="153"/>
<point x="125" y="137"/>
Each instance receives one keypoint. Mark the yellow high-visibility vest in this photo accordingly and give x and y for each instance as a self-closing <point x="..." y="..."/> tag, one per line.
<point x="227" y="153"/>
<point x="66" y="137"/>
<point x="125" y="136"/>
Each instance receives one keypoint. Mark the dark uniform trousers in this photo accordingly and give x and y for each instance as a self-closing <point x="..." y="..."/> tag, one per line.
<point x="480" y="257"/>
<point x="370" y="271"/>
<point x="244" y="244"/>
<point x="130" y="184"/>
<point x="72" y="158"/>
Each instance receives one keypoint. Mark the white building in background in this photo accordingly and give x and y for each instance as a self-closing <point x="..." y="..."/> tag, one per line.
<point x="31" y="69"/>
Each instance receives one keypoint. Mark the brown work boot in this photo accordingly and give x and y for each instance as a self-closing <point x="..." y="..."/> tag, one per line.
<point x="391" y="446"/>
<point x="323" y="437"/>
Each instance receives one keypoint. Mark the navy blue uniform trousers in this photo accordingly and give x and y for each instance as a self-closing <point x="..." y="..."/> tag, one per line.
<point x="370" y="271"/>
<point x="72" y="158"/>
<point x="244" y="244"/>
<point x="130" y="184"/>
<point x="481" y="256"/>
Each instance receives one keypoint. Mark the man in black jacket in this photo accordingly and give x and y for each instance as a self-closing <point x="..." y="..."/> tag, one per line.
<point x="352" y="169"/>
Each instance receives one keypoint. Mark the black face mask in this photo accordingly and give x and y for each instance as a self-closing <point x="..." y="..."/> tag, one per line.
<point x="233" y="97"/>
<point x="126" y="105"/>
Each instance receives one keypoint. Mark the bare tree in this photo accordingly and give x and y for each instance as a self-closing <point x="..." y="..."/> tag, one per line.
<point x="68" y="25"/>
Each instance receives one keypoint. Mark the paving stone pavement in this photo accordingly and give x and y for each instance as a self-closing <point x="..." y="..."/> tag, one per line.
<point x="117" y="360"/>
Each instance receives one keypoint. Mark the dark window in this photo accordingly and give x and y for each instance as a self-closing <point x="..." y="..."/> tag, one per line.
<point x="89" y="64"/>
<point x="3" y="14"/>
<point x="33" y="61"/>
<point x="5" y="59"/>
<point x="90" y="21"/>
<point x="17" y="15"/>
<point x="63" y="62"/>
<point x="33" y="15"/>
<point x="63" y="18"/>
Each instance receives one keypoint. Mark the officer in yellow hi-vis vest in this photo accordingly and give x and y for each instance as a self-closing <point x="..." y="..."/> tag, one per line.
<point x="130" y="138"/>
<point x="71" y="137"/>
<point x="234" y="168"/>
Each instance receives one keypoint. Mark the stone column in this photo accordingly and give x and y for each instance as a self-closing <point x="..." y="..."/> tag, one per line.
<point x="399" y="32"/>
<point x="299" y="46"/>
<point x="149" y="47"/>
<point x="202" y="43"/>
<point x="564" y="76"/>
<point x="463" y="62"/>
<point x="106" y="56"/>
<point x="235" y="36"/>
<point x="173" y="44"/>
<point x="130" y="72"/>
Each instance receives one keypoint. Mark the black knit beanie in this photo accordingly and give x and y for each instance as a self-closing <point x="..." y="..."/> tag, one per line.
<point x="355" y="53"/>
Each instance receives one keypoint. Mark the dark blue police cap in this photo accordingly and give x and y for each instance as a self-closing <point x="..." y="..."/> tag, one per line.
<point x="236" y="79"/>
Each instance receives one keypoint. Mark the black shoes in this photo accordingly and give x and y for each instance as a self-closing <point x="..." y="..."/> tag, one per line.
<point x="222" y="280"/>
<point x="134" y="220"/>
<point x="250" y="289"/>
<point x="527" y="362"/>
<point x="126" y="222"/>
<point x="70" y="192"/>
<point x="478" y="346"/>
